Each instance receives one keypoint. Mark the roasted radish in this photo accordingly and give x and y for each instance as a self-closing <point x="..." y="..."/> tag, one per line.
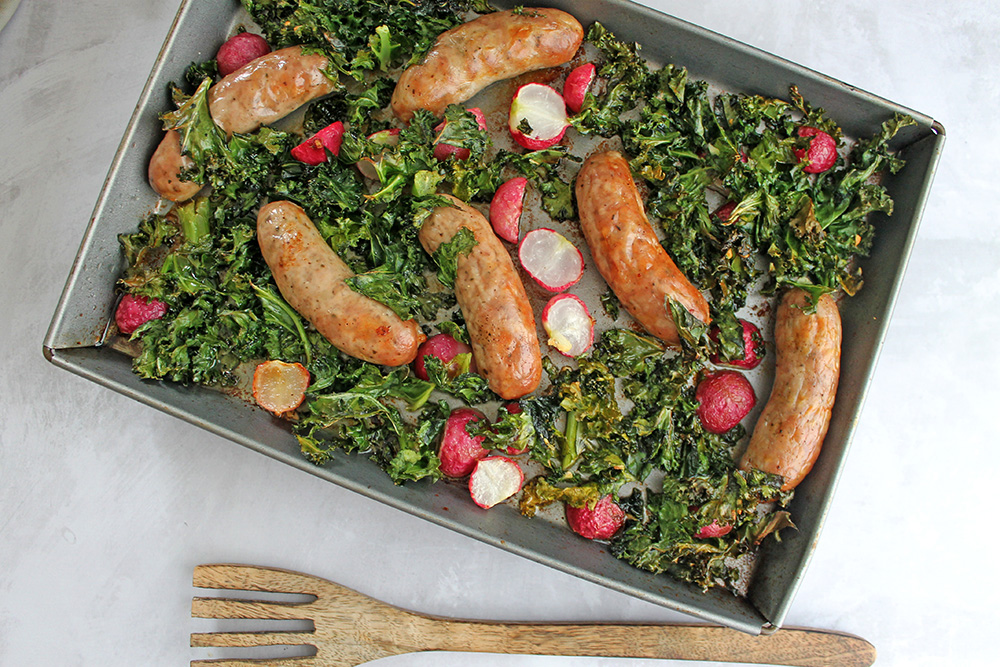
<point x="537" y="116"/>
<point x="506" y="208"/>
<point x="445" y="348"/>
<point x="280" y="387"/>
<point x="313" y="150"/>
<point x="551" y="259"/>
<point x="724" y="398"/>
<point x="368" y="166"/>
<point x="598" y="523"/>
<point x="568" y="324"/>
<point x="239" y="50"/>
<point x="442" y="150"/>
<point x="494" y="480"/>
<point x="822" y="151"/>
<point x="459" y="451"/>
<point x="753" y="349"/>
<point x="578" y="82"/>
<point x="134" y="311"/>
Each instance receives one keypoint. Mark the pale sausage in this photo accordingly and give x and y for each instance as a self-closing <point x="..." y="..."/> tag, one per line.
<point x="311" y="278"/>
<point x="789" y="433"/>
<point x="493" y="302"/>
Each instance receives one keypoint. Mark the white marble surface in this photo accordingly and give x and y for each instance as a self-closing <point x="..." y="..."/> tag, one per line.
<point x="106" y="505"/>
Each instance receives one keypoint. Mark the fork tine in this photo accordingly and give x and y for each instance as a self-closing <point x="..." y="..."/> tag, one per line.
<point x="249" y="578"/>
<point x="230" y="608"/>
<point x="279" y="638"/>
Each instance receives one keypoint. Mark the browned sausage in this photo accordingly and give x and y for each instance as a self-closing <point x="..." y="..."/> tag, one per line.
<point x="493" y="47"/>
<point x="268" y="89"/>
<point x="790" y="431"/>
<point x="166" y="165"/>
<point x="261" y="92"/>
<point x="625" y="248"/>
<point x="311" y="277"/>
<point x="493" y="301"/>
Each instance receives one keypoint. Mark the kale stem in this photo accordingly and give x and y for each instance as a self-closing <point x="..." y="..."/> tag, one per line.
<point x="569" y="452"/>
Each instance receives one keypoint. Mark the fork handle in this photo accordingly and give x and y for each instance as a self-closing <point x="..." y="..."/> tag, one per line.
<point x="789" y="646"/>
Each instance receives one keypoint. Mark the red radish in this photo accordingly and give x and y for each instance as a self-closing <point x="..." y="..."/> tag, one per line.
<point x="577" y="84"/>
<point x="134" y="311"/>
<point x="537" y="116"/>
<point x="514" y="408"/>
<point x="459" y="451"/>
<point x="506" y="207"/>
<point x="494" y="479"/>
<point x="445" y="348"/>
<point x="240" y="50"/>
<point x="753" y="347"/>
<point x="724" y="212"/>
<point x="280" y="387"/>
<point x="313" y="150"/>
<point x="568" y="324"/>
<point x="600" y="523"/>
<point x="724" y="397"/>
<point x="551" y="259"/>
<point x="368" y="165"/>
<point x="822" y="151"/>
<point x="442" y="151"/>
<point x="713" y="530"/>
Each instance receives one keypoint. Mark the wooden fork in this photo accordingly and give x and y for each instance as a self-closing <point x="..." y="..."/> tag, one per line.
<point x="351" y="629"/>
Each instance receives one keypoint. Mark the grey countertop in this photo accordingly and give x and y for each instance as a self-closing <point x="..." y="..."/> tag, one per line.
<point x="106" y="505"/>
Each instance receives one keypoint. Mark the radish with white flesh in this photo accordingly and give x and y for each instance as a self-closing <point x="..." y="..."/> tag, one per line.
<point x="368" y="166"/>
<point x="442" y="150"/>
<point x="459" y="451"/>
<point x="577" y="84"/>
<point x="551" y="259"/>
<point x="494" y="480"/>
<point x="506" y="208"/>
<point x="537" y="116"/>
<point x="568" y="324"/>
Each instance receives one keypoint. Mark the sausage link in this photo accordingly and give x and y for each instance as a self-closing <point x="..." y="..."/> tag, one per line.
<point x="493" y="301"/>
<point x="268" y="89"/>
<point x="493" y="47"/>
<point x="626" y="250"/>
<point x="166" y="165"/>
<point x="259" y="93"/>
<point x="789" y="433"/>
<point x="311" y="278"/>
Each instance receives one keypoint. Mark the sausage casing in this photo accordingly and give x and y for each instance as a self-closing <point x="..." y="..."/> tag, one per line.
<point x="493" y="301"/>
<point x="268" y="89"/>
<point x="259" y="93"/>
<point x="493" y="47"/>
<point x="626" y="250"/>
<point x="789" y="433"/>
<point x="311" y="278"/>
<point x="165" y="167"/>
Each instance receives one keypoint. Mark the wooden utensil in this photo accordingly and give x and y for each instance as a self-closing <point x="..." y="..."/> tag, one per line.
<point x="351" y="629"/>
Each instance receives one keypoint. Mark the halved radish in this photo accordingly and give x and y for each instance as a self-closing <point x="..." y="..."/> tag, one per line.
<point x="280" y="387"/>
<point x="551" y="259"/>
<point x="537" y="116"/>
<point x="568" y="324"/>
<point x="494" y="480"/>
<point x="577" y="84"/>
<point x="713" y="530"/>
<point x="514" y="408"/>
<point x="442" y="150"/>
<point x="313" y="150"/>
<point x="506" y="208"/>
<point x="368" y="166"/>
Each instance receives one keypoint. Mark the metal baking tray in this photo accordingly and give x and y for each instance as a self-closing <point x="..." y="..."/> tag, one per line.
<point x="76" y="335"/>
